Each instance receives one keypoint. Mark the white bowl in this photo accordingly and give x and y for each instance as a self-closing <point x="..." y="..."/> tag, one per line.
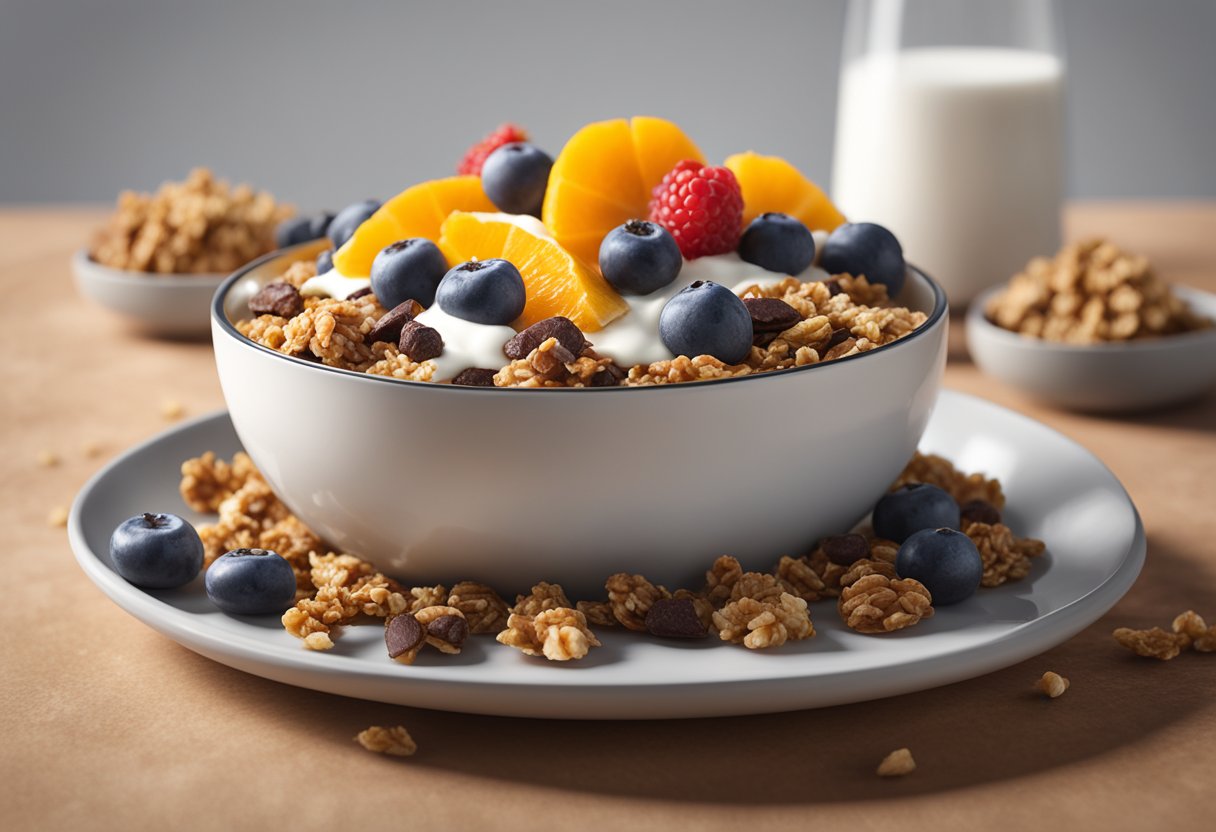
<point x="437" y="483"/>
<point x="1115" y="377"/>
<point x="174" y="305"/>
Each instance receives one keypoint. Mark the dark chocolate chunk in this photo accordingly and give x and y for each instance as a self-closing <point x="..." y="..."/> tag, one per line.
<point x="563" y="329"/>
<point x="388" y="328"/>
<point x="980" y="511"/>
<point x="609" y="376"/>
<point x="277" y="298"/>
<point x="360" y="293"/>
<point x="846" y="549"/>
<point x="833" y="285"/>
<point x="675" y="618"/>
<point x="475" y="377"/>
<point x="771" y="314"/>
<point x="450" y="628"/>
<point x="420" y="342"/>
<point x="839" y="336"/>
<point x="402" y="634"/>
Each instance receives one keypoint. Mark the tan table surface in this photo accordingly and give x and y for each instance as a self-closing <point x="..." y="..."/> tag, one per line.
<point x="107" y="723"/>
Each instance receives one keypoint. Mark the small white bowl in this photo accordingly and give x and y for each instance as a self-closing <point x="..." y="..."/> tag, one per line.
<point x="171" y="305"/>
<point x="1110" y="378"/>
<point x="509" y="485"/>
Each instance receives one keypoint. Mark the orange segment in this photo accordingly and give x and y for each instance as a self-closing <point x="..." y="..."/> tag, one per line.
<point x="557" y="282"/>
<point x="770" y="183"/>
<point x="604" y="176"/>
<point x="417" y="211"/>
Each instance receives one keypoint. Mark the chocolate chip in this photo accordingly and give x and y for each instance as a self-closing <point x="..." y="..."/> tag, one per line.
<point x="675" y="618"/>
<point x="475" y="377"/>
<point x="839" y="336"/>
<point x="360" y="293"/>
<point x="846" y="549"/>
<point x="563" y="329"/>
<point x="277" y="298"/>
<point x="771" y="314"/>
<point x="833" y="285"/>
<point x="839" y="350"/>
<point x="402" y="634"/>
<point x="980" y="511"/>
<point x="388" y="328"/>
<point x="608" y="376"/>
<point x="419" y="341"/>
<point x="450" y="628"/>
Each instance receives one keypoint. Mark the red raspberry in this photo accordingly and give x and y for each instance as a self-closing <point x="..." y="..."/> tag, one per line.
<point x="702" y="207"/>
<point x="476" y="155"/>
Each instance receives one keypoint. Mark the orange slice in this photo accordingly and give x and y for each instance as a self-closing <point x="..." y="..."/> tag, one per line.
<point x="770" y="183"/>
<point x="417" y="211"/>
<point x="604" y="175"/>
<point x="557" y="282"/>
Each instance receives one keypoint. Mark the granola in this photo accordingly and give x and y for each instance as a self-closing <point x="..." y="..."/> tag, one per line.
<point x="1052" y="684"/>
<point x="558" y="633"/>
<point x="896" y="764"/>
<point x="481" y="606"/>
<point x="394" y="741"/>
<point x="1006" y="557"/>
<point x="759" y="624"/>
<point x="1188" y="630"/>
<point x="631" y="597"/>
<point x="877" y="603"/>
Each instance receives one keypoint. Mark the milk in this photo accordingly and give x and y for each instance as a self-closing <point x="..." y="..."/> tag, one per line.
<point x="959" y="152"/>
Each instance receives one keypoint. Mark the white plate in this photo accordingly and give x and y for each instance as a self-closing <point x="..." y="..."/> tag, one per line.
<point x="1057" y="490"/>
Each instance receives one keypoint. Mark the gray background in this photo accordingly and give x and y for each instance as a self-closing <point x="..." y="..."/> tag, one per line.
<point x="328" y="102"/>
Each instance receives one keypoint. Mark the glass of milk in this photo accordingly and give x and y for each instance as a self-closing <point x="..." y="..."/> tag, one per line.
<point x="949" y="132"/>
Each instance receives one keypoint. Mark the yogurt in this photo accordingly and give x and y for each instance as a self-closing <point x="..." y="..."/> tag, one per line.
<point x="333" y="284"/>
<point x="465" y="343"/>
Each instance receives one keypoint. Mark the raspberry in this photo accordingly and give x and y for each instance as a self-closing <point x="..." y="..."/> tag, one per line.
<point x="476" y="155"/>
<point x="702" y="207"/>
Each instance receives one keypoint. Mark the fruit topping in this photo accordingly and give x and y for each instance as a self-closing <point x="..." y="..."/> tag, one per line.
<point x="318" y="225"/>
<point x="251" y="582"/>
<point x="418" y="211"/>
<point x="157" y="551"/>
<point x="563" y="329"/>
<point x="388" y="328"/>
<point x="408" y="269"/>
<point x="770" y="183"/>
<point x="639" y="257"/>
<point x="514" y="177"/>
<point x="945" y="561"/>
<point x="325" y="261"/>
<point x="348" y="220"/>
<point x="420" y="342"/>
<point x="911" y="508"/>
<point x="558" y="283"/>
<point x="864" y="248"/>
<point x="771" y="314"/>
<point x="483" y="291"/>
<point x="701" y="206"/>
<point x="778" y="243"/>
<point x="292" y="231"/>
<point x="278" y="298"/>
<point x="604" y="176"/>
<point x="707" y="319"/>
<point x="476" y="155"/>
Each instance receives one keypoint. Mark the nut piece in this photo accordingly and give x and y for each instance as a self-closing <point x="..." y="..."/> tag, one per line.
<point x="483" y="608"/>
<point x="877" y="603"/>
<point x="1191" y="624"/>
<point x="675" y="618"/>
<point x="404" y="636"/>
<point x="631" y="597"/>
<point x="896" y="764"/>
<point x="567" y="333"/>
<point x="1153" y="644"/>
<point x="446" y="629"/>
<point x="388" y="328"/>
<point x="1052" y="684"/>
<point x="758" y="624"/>
<point x="420" y="342"/>
<point x="395" y="741"/>
<point x="277" y="298"/>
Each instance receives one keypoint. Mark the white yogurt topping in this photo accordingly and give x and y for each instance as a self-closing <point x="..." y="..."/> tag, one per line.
<point x="633" y="338"/>
<point x="465" y="343"/>
<point x="333" y="284"/>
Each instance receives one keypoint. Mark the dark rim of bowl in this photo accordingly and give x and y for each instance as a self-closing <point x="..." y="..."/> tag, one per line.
<point x="940" y="307"/>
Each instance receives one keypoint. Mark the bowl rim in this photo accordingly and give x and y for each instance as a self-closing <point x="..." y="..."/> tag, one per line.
<point x="936" y="318"/>
<point x="977" y="321"/>
<point x="82" y="259"/>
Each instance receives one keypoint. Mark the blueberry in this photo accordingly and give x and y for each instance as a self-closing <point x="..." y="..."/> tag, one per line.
<point x="640" y="257"/>
<point x="514" y="177"/>
<point x="318" y="226"/>
<point x="251" y="582"/>
<point x="909" y="509"/>
<point x="859" y="248"/>
<point x="348" y="220"/>
<point x="778" y="243"/>
<point x="291" y="232"/>
<point x="483" y="291"/>
<point x="158" y="551"/>
<point x="945" y="561"/>
<point x="408" y="270"/>
<point x="325" y="261"/>
<point x="707" y="319"/>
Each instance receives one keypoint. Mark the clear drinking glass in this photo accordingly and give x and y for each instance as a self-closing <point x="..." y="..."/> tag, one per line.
<point x="949" y="131"/>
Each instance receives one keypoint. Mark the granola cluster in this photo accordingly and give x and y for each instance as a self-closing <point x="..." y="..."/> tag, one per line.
<point x="394" y="741"/>
<point x="827" y="320"/>
<point x="199" y="226"/>
<point x="1188" y="630"/>
<point x="1091" y="292"/>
